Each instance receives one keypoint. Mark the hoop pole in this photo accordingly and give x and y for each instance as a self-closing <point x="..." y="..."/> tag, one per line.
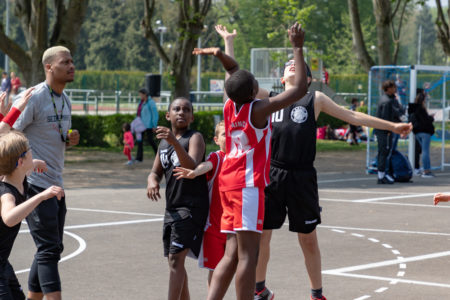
<point x="412" y="96"/>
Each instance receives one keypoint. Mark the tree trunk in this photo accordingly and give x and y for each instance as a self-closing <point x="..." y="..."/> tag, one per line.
<point x="190" y="25"/>
<point x="34" y="22"/>
<point x="382" y="12"/>
<point x="443" y="33"/>
<point x="359" y="45"/>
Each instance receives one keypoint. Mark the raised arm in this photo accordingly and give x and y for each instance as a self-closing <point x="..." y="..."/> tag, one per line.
<point x="13" y="215"/>
<point x="328" y="106"/>
<point x="262" y="109"/>
<point x="228" y="39"/>
<point x="230" y="65"/>
<point x="9" y="120"/>
<point x="201" y="169"/>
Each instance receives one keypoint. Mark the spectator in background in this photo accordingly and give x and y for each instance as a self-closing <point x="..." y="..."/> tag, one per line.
<point x="325" y="76"/>
<point x="148" y="114"/>
<point x="423" y="128"/>
<point x="6" y="84"/>
<point x="388" y="109"/>
<point x="401" y="89"/>
<point x="15" y="83"/>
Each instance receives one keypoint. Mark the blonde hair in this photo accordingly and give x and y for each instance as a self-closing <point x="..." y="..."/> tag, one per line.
<point x="220" y="124"/>
<point x="50" y="54"/>
<point x="12" y="145"/>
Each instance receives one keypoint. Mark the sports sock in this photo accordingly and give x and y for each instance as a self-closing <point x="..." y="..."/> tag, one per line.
<point x="316" y="293"/>
<point x="380" y="175"/>
<point x="260" y="286"/>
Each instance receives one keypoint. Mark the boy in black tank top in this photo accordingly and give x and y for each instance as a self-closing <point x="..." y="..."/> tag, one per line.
<point x="187" y="202"/>
<point x="293" y="181"/>
<point x="15" y="162"/>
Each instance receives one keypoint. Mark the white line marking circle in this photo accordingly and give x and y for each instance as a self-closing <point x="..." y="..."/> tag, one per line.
<point x="81" y="248"/>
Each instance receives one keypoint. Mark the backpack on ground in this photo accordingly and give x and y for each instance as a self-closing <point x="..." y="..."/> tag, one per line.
<point x="400" y="167"/>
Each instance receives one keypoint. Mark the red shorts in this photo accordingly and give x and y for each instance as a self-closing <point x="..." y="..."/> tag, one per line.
<point x="212" y="250"/>
<point x="243" y="210"/>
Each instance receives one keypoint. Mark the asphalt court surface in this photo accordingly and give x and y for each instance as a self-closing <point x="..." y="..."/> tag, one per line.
<point x="377" y="242"/>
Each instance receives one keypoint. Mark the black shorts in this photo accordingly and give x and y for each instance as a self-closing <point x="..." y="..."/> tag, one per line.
<point x="293" y="192"/>
<point x="182" y="234"/>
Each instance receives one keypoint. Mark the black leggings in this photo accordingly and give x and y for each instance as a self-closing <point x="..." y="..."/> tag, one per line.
<point x="140" y="144"/>
<point x="46" y="223"/>
<point x="9" y="285"/>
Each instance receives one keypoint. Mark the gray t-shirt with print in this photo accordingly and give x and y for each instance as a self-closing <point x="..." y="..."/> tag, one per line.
<point x="40" y="124"/>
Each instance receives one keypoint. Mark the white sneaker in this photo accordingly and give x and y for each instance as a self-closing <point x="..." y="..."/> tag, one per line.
<point x="388" y="177"/>
<point x="129" y="163"/>
<point x="428" y="175"/>
<point x="417" y="172"/>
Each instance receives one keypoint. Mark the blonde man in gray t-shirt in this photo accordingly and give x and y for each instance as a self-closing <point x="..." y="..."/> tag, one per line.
<point x="46" y="122"/>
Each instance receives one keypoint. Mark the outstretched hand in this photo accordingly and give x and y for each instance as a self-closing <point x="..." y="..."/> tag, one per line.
<point x="223" y="32"/>
<point x="53" y="191"/>
<point x="296" y="35"/>
<point x="206" y="51"/>
<point x="39" y="166"/>
<point x="403" y="129"/>
<point x="23" y="101"/>
<point x="180" y="172"/>
<point x="4" y="108"/>
<point x="441" y="198"/>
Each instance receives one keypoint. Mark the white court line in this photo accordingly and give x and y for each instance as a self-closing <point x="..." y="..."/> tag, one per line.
<point x="115" y="212"/>
<point x="368" y="178"/>
<point x="386" y="203"/>
<point x="113" y="223"/>
<point x="344" y="180"/>
<point x="364" y="192"/>
<point x="81" y="248"/>
<point x="396" y="252"/>
<point x="105" y="224"/>
<point x="395" y="197"/>
<point x="387" y="246"/>
<point x="393" y="280"/>
<point x="388" y="263"/>
<point x="358" y="235"/>
<point x="363" y="297"/>
<point x="401" y="274"/>
<point x="402" y="266"/>
<point x="374" y="240"/>
<point x="383" y="230"/>
<point x="382" y="289"/>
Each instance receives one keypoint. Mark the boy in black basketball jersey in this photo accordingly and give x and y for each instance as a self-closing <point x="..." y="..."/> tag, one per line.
<point x="292" y="172"/>
<point x="187" y="201"/>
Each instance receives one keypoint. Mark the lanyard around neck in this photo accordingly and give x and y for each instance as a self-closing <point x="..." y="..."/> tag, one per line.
<point x="58" y="118"/>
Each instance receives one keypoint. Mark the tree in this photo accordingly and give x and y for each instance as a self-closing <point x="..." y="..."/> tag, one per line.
<point x="33" y="16"/>
<point x="389" y="17"/>
<point x="443" y="32"/>
<point x="190" y="21"/>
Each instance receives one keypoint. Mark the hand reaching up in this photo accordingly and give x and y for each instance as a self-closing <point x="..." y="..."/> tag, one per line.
<point x="296" y="35"/>
<point x="223" y="32"/>
<point x="4" y="108"/>
<point x="206" y="51"/>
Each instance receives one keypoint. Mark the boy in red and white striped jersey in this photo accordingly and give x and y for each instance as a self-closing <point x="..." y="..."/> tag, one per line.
<point x="244" y="173"/>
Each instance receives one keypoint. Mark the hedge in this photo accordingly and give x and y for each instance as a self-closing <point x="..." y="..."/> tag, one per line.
<point x="106" y="131"/>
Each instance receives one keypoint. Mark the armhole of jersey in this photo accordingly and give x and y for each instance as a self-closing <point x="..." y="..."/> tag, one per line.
<point x="250" y="117"/>
<point x="217" y="167"/>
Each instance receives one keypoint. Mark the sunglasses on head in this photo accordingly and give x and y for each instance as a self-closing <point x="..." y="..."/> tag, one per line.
<point x="289" y="63"/>
<point x="22" y="156"/>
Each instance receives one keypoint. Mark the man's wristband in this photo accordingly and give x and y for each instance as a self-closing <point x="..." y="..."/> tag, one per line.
<point x="1" y="117"/>
<point x="12" y="116"/>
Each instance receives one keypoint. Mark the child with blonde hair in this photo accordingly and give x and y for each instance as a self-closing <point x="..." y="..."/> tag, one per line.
<point x="214" y="241"/>
<point x="16" y="161"/>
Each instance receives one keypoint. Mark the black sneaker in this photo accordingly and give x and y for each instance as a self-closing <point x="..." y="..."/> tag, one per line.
<point x="265" y="294"/>
<point x="385" y="180"/>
